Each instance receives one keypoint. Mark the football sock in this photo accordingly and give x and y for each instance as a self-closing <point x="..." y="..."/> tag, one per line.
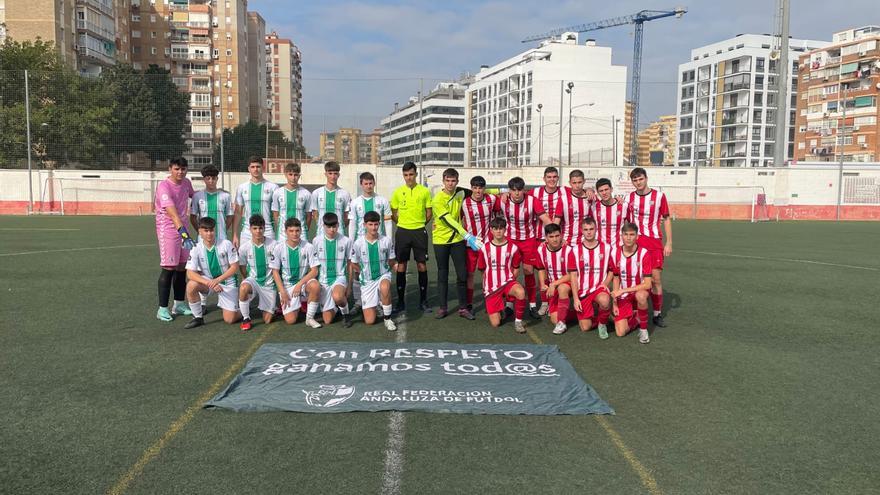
<point x="509" y="304"/>
<point x="386" y="311"/>
<point x="311" y="309"/>
<point x="657" y="302"/>
<point x="196" y="308"/>
<point x="562" y="309"/>
<point x="356" y="291"/>
<point x="245" y="308"/>
<point x="519" y="308"/>
<point x="179" y="283"/>
<point x="423" y="286"/>
<point x="531" y="288"/>
<point x="401" y="287"/>
<point x="343" y="309"/>
<point x="470" y="296"/>
<point x="165" y="278"/>
<point x="604" y="314"/>
<point x="643" y="318"/>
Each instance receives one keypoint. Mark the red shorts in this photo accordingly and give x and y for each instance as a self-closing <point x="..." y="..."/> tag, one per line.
<point x="626" y="307"/>
<point x="655" y="250"/>
<point x="472" y="258"/>
<point x="529" y="250"/>
<point x="586" y="312"/>
<point x="495" y="301"/>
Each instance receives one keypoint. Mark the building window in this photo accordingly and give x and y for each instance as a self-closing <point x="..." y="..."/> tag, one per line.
<point x="152" y="18"/>
<point x="229" y="52"/>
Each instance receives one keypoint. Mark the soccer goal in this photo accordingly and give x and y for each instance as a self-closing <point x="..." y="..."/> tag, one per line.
<point x="95" y="194"/>
<point x="760" y="212"/>
<point x="718" y="201"/>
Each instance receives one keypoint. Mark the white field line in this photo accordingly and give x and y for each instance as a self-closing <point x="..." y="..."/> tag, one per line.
<point x="35" y="229"/>
<point x="71" y="250"/>
<point x="393" y="474"/>
<point x="789" y="260"/>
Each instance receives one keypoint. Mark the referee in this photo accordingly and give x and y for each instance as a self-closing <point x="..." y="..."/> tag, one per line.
<point x="411" y="210"/>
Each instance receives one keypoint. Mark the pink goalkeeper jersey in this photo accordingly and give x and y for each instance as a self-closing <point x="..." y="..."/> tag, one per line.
<point x="170" y="194"/>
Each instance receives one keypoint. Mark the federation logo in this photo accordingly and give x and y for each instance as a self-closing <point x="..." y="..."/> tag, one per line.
<point x="329" y="395"/>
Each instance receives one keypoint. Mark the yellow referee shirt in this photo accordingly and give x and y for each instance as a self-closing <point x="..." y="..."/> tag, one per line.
<point x="411" y="205"/>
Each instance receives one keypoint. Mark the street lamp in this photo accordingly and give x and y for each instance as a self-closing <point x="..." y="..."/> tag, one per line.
<point x="570" y="92"/>
<point x="540" y="134"/>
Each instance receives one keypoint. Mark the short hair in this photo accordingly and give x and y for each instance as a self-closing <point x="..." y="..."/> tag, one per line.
<point x="478" y="181"/>
<point x="210" y="171"/>
<point x="516" y="183"/>
<point x="603" y="182"/>
<point x="255" y="159"/>
<point x="409" y="166"/>
<point x="367" y="176"/>
<point x="292" y="222"/>
<point x="257" y="221"/>
<point x="576" y="173"/>
<point x="330" y="219"/>
<point x="371" y="216"/>
<point x="588" y="221"/>
<point x="179" y="161"/>
<point x="638" y="172"/>
<point x="551" y="170"/>
<point x="450" y="172"/>
<point x="552" y="228"/>
<point x="331" y="166"/>
<point x="292" y="167"/>
<point x="207" y="223"/>
<point x="629" y="227"/>
<point x="498" y="223"/>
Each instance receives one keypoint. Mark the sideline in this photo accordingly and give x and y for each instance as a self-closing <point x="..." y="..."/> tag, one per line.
<point x="392" y="476"/>
<point x="23" y="253"/>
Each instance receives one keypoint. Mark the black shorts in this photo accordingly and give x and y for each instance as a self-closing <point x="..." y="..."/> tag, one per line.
<point x="406" y="240"/>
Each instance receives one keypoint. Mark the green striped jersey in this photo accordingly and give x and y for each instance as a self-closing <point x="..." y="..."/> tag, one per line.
<point x="372" y="257"/>
<point x="291" y="204"/>
<point x="336" y="201"/>
<point x="257" y="260"/>
<point x="293" y="263"/>
<point x="217" y="205"/>
<point x="214" y="261"/>
<point x="332" y="255"/>
<point x="360" y="206"/>
<point x="256" y="199"/>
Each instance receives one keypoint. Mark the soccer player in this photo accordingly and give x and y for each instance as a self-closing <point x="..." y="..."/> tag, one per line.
<point x="254" y="197"/>
<point x="632" y="269"/>
<point x="411" y="209"/>
<point x="499" y="261"/>
<point x="648" y="209"/>
<point x="211" y="269"/>
<point x="292" y="201"/>
<point x="548" y="195"/>
<point x="589" y="264"/>
<point x="172" y="199"/>
<point x="295" y="271"/>
<point x="573" y="206"/>
<point x="610" y="214"/>
<point x="366" y="202"/>
<point x="255" y="258"/>
<point x="476" y="215"/>
<point x="212" y="202"/>
<point x="372" y="256"/>
<point x="333" y="250"/>
<point x="330" y="198"/>
<point x="553" y="276"/>
<point x="522" y="212"/>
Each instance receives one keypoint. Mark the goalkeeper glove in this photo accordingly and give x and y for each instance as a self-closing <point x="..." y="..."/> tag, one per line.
<point x="186" y="240"/>
<point x="473" y="243"/>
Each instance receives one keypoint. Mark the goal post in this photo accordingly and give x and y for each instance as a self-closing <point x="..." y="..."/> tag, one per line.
<point x="717" y="201"/>
<point x="96" y="194"/>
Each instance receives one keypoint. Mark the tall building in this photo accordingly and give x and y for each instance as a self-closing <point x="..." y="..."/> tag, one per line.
<point x="657" y="142"/>
<point x="350" y="145"/>
<point x="504" y="124"/>
<point x="837" y="110"/>
<point x="627" y="132"/>
<point x="258" y="108"/>
<point x="284" y="86"/>
<point x="727" y="102"/>
<point x="438" y="138"/>
<point x="368" y="147"/>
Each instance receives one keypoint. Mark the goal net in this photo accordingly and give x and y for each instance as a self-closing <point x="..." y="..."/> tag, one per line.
<point x="725" y="202"/>
<point x="95" y="194"/>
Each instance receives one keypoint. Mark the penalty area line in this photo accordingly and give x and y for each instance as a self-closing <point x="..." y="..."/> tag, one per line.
<point x="392" y="475"/>
<point x="71" y="250"/>
<point x="155" y="449"/>
<point x="35" y="229"/>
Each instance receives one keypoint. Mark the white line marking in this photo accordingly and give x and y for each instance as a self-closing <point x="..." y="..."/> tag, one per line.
<point x="75" y="249"/>
<point x="15" y="229"/>
<point x="393" y="475"/>
<point x="790" y="260"/>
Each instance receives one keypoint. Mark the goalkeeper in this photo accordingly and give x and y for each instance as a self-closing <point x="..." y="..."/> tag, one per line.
<point x="172" y="206"/>
<point x="451" y="240"/>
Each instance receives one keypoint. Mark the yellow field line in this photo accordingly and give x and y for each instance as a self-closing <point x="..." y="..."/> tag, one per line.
<point x="153" y="451"/>
<point x="644" y="474"/>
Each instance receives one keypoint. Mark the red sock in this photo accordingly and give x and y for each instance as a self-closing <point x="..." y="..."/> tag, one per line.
<point x="562" y="309"/>
<point x="519" y="308"/>
<point x="531" y="288"/>
<point x="470" y="296"/>
<point x="604" y="314"/>
<point x="632" y="322"/>
<point x="643" y="318"/>
<point x="657" y="302"/>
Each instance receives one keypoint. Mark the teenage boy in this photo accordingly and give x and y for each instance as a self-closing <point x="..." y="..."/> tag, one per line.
<point x="211" y="269"/>
<point x="172" y="200"/>
<point x="573" y="206"/>
<point x="648" y="209"/>
<point x="295" y="271"/>
<point x="553" y="276"/>
<point x="610" y="214"/>
<point x="632" y="269"/>
<point x="212" y="202"/>
<point x="411" y="209"/>
<point x="368" y="201"/>
<point x="330" y="198"/>
<point x="292" y="201"/>
<point x="499" y="260"/>
<point x="372" y="256"/>
<point x="254" y="197"/>
<point x="590" y="266"/>
<point x="332" y="250"/>
<point x="548" y="195"/>
<point x="255" y="258"/>
<point x="476" y="215"/>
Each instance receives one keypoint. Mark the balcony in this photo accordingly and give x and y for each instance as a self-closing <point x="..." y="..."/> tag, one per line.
<point x="189" y="56"/>
<point x="99" y="56"/>
<point x="91" y="27"/>
<point x="102" y="6"/>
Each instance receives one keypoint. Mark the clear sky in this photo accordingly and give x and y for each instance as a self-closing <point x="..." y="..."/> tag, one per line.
<point x="359" y="58"/>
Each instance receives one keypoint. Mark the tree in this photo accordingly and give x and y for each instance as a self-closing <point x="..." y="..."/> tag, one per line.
<point x="246" y="140"/>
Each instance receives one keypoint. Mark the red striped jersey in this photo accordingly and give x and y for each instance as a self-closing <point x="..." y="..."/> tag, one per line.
<point x="498" y="264"/>
<point x="591" y="264"/>
<point x="550" y="202"/>
<point x="631" y="269"/>
<point x="521" y="217"/>
<point x="646" y="211"/>
<point x="477" y="214"/>
<point x="555" y="262"/>
<point x="572" y="210"/>
<point x="609" y="220"/>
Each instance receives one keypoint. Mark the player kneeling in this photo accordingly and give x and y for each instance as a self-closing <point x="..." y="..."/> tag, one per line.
<point x="256" y="255"/>
<point x="373" y="257"/>
<point x="499" y="260"/>
<point x="332" y="251"/>
<point x="553" y="276"/>
<point x="211" y="269"/>
<point x="295" y="268"/>
<point x="590" y="263"/>
<point x="632" y="267"/>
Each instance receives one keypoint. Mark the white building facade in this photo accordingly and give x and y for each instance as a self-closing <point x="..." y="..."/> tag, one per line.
<point x="726" y="102"/>
<point x="518" y="110"/>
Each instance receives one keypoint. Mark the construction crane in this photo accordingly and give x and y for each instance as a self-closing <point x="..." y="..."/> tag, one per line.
<point x="638" y="19"/>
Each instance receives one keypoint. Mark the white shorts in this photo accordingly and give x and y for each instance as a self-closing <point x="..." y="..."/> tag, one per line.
<point x="296" y="304"/>
<point x="370" y="292"/>
<point x="327" y="302"/>
<point x="267" y="295"/>
<point x="227" y="298"/>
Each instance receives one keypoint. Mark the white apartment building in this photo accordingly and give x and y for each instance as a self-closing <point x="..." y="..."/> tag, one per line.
<point x="284" y="86"/>
<point x="518" y="110"/>
<point x="438" y="138"/>
<point x="726" y="102"/>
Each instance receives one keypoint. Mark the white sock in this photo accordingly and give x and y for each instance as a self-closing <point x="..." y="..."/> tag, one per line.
<point x="311" y="310"/>
<point x="532" y="305"/>
<point x="386" y="310"/>
<point x="517" y="320"/>
<point x="356" y="292"/>
<point x="179" y="304"/>
<point x="245" y="307"/>
<point x="203" y="298"/>
<point x="196" y="308"/>
<point x="509" y="305"/>
<point x="343" y="309"/>
<point x="656" y="313"/>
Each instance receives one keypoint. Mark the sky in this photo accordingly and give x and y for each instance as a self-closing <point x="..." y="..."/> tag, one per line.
<point x="359" y="58"/>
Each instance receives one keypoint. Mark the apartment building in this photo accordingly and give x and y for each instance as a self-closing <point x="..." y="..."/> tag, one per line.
<point x="430" y="131"/>
<point x="837" y="110"/>
<point x="657" y="142"/>
<point x="726" y="102"/>
<point x="283" y="69"/>
<point x="350" y="145"/>
<point x="570" y="83"/>
<point x="368" y="147"/>
<point x="258" y="102"/>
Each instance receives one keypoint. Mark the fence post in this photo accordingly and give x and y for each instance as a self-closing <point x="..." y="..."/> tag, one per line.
<point x="27" y="111"/>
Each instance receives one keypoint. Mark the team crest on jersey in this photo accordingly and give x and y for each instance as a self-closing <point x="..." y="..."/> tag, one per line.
<point x="329" y="395"/>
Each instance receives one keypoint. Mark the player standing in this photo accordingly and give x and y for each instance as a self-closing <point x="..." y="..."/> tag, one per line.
<point x="295" y="271"/>
<point x="172" y="199"/>
<point x="548" y="195"/>
<point x="590" y="265"/>
<point x="499" y="260"/>
<point x="372" y="256"/>
<point x="476" y="215"/>
<point x="292" y="201"/>
<point x="254" y="197"/>
<point x="574" y="205"/>
<point x="333" y="250"/>
<point x="553" y="276"/>
<point x="330" y="198"/>
<point x="213" y="203"/>
<point x="411" y="208"/>
<point x="211" y="269"/>
<point x="632" y="269"/>
<point x="610" y="214"/>
<point x="255" y="259"/>
<point x="648" y="209"/>
<point x="369" y="201"/>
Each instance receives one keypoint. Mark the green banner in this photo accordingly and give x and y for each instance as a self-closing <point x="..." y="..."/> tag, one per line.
<point x="325" y="377"/>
